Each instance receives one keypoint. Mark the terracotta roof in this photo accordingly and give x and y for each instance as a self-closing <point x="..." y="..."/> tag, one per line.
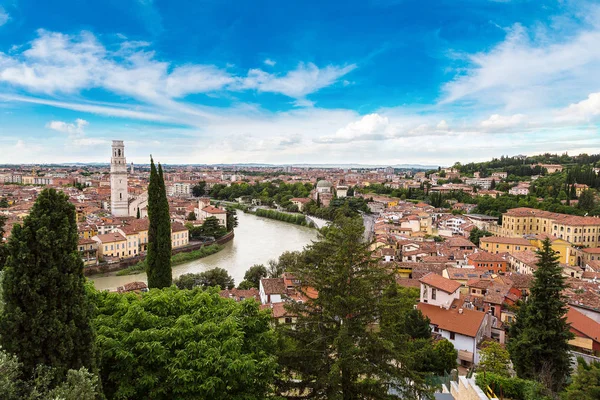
<point x="459" y="242"/>
<point x="240" y="295"/>
<point x="178" y="227"/>
<point x="505" y="240"/>
<point x="273" y="285"/>
<point x="277" y="309"/>
<point x="213" y="210"/>
<point x="439" y="282"/>
<point x="591" y="250"/>
<point x="584" y="324"/>
<point x="467" y="323"/>
<point x="484" y="256"/>
<point x="405" y="282"/>
<point x="111" y="237"/>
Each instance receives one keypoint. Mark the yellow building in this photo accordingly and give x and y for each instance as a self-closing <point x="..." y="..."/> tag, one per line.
<point x="565" y="250"/>
<point x="579" y="231"/>
<point x="501" y="244"/>
<point x="111" y="245"/>
<point x="87" y="231"/>
<point x="179" y="235"/>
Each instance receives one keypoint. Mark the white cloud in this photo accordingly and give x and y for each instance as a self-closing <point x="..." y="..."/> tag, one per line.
<point x="304" y="80"/>
<point x="72" y="129"/>
<point x="56" y="63"/>
<point x="584" y="110"/>
<point x="270" y="62"/>
<point x="75" y="131"/>
<point x="499" y="122"/>
<point x="442" y="125"/>
<point x="4" y="17"/>
<point x="99" y="109"/>
<point x="530" y="68"/>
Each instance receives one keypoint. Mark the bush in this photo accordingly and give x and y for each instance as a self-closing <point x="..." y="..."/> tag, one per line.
<point x="513" y="388"/>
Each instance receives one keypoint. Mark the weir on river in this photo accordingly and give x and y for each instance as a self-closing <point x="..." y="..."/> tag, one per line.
<point x="257" y="240"/>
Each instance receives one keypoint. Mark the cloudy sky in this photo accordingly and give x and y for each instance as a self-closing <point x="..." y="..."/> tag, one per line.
<point x="368" y="81"/>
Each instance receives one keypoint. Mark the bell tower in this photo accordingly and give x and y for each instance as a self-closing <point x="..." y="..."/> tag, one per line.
<point x="119" y="202"/>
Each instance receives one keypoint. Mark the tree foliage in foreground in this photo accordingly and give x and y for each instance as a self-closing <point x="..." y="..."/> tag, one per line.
<point x="495" y="358"/>
<point x="77" y="385"/>
<point x="46" y="310"/>
<point x="335" y="351"/>
<point x="184" y="344"/>
<point x="539" y="346"/>
<point x="586" y="382"/>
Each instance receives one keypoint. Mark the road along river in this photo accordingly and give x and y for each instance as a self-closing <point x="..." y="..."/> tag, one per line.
<point x="257" y="240"/>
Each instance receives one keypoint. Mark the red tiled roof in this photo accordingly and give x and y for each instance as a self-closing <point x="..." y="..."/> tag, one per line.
<point x="213" y="210"/>
<point x="466" y="323"/>
<point x="111" y="237"/>
<point x="584" y="324"/>
<point x="439" y="282"/>
<point x="505" y="240"/>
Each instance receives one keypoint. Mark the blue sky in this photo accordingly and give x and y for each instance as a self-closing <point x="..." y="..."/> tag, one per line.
<point x="372" y="81"/>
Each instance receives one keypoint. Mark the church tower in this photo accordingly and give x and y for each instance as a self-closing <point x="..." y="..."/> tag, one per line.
<point x="119" y="203"/>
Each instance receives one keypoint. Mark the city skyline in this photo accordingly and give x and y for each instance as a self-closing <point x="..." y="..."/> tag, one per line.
<point x="383" y="82"/>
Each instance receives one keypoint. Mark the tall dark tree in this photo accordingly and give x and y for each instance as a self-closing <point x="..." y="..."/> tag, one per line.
<point x="212" y="227"/>
<point x="3" y="248"/>
<point x="232" y="220"/>
<point x="587" y="200"/>
<point x="476" y="234"/>
<point x="332" y="351"/>
<point x="159" y="231"/>
<point x="46" y="319"/>
<point x="539" y="346"/>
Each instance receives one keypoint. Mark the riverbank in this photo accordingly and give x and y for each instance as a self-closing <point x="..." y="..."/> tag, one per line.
<point x="257" y="240"/>
<point x="297" y="219"/>
<point x="175" y="260"/>
<point x="102" y="269"/>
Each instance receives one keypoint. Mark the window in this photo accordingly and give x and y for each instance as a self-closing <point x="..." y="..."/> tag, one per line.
<point x="288" y="320"/>
<point x="452" y="336"/>
<point x="436" y="329"/>
<point x="433" y="293"/>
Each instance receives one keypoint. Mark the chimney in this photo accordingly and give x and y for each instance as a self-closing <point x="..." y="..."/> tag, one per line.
<point x="460" y="310"/>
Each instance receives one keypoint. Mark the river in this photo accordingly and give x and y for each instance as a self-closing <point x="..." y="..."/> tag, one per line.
<point x="257" y="240"/>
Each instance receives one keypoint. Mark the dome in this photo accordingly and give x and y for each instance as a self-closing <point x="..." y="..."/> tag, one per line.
<point x="324" y="184"/>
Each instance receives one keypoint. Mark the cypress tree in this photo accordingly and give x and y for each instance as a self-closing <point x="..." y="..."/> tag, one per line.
<point x="159" y="231"/>
<point x="46" y="317"/>
<point x="539" y="338"/>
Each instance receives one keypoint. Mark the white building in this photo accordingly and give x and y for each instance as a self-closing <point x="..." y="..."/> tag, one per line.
<point x="179" y="189"/>
<point x="519" y="190"/>
<point x="119" y="202"/>
<point x="462" y="327"/>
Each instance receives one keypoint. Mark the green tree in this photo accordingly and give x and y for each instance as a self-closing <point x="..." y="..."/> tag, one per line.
<point x="332" y="352"/>
<point x="255" y="273"/>
<point x="3" y="247"/>
<point x="199" y="189"/>
<point x="184" y="344"/>
<point x="495" y="358"/>
<point x="245" y="285"/>
<point x="476" y="235"/>
<point x="46" y="318"/>
<point x="586" y="382"/>
<point x="159" y="231"/>
<point x="3" y="202"/>
<point x="493" y="184"/>
<point x="137" y="215"/>
<point x="587" y="200"/>
<point x="445" y="356"/>
<point x="212" y="227"/>
<point x="191" y="216"/>
<point x="212" y="277"/>
<point x="232" y="220"/>
<point x="539" y="346"/>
